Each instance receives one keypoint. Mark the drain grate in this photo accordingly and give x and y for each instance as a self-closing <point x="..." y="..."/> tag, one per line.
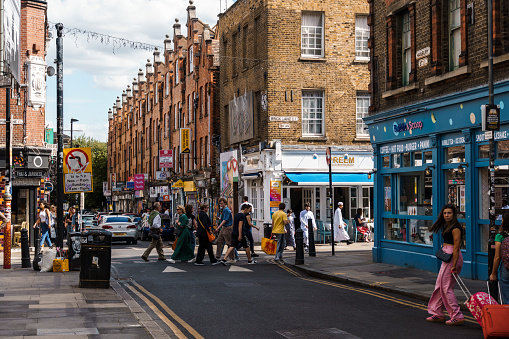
<point x="241" y="284"/>
<point x="321" y="333"/>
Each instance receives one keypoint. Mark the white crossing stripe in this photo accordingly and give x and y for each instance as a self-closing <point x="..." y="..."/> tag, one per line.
<point x="172" y="269"/>
<point x="238" y="269"/>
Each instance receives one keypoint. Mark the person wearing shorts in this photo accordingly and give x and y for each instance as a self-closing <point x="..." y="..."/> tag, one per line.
<point x="239" y="234"/>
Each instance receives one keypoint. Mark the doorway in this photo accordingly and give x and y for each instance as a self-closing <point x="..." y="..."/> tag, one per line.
<point x="296" y="204"/>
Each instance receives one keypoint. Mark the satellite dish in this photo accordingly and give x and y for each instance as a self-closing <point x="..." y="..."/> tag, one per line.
<point x="50" y="71"/>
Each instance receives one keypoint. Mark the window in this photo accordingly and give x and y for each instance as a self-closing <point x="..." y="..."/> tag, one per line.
<point x="406" y="45"/>
<point x="362" y="110"/>
<point x="207" y="160"/>
<point x="312" y="113"/>
<point x="191" y="59"/>
<point x="244" y="46"/>
<point x="312" y="34"/>
<point x="254" y="200"/>
<point x="176" y="72"/>
<point x="234" y="54"/>
<point x="361" y="38"/>
<point x="454" y="34"/>
<point x="167" y="86"/>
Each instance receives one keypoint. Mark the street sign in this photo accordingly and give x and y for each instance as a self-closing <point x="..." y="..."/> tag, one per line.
<point x="166" y="158"/>
<point x="48" y="186"/>
<point x="490" y="117"/>
<point x="161" y="175"/>
<point x="327" y="156"/>
<point x="78" y="170"/>
<point x="178" y="184"/>
<point x="185" y="140"/>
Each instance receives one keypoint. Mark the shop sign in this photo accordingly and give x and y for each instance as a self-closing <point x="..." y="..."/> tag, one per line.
<point x="185" y="140"/>
<point x="189" y="186"/>
<point x="165" y="159"/>
<point x="275" y="194"/>
<point x="139" y="182"/>
<point x="178" y="184"/>
<point x="29" y="174"/>
<point x="499" y="135"/>
<point x="161" y="175"/>
<point x="343" y="161"/>
<point x="453" y="141"/>
<point x="107" y="193"/>
<point x="152" y="192"/>
<point x="166" y="198"/>
<point x="130" y="183"/>
<point x="402" y="127"/>
<point x="406" y="146"/>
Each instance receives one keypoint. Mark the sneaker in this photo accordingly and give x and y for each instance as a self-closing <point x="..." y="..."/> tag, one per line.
<point x="199" y="264"/>
<point x="349" y="242"/>
<point x="435" y="319"/>
<point x="233" y="261"/>
<point x="216" y="263"/>
<point x="171" y="261"/>
<point x="254" y="255"/>
<point x="223" y="262"/>
<point x="281" y="261"/>
<point x="252" y="262"/>
<point x="192" y="260"/>
<point x="144" y="259"/>
<point x="455" y="322"/>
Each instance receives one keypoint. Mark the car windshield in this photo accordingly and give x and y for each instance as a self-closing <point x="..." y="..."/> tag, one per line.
<point x="87" y="217"/>
<point x="116" y="219"/>
<point x="136" y="219"/>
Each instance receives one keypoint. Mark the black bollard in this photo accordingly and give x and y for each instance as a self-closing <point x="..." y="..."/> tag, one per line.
<point x="311" y="237"/>
<point x="25" y="249"/>
<point x="37" y="240"/>
<point x="299" y="249"/>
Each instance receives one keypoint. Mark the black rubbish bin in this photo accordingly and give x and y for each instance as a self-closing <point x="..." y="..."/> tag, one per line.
<point x="95" y="259"/>
<point x="267" y="229"/>
<point x="74" y="249"/>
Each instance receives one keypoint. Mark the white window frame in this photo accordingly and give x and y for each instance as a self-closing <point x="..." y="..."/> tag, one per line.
<point x="310" y="34"/>
<point x="254" y="200"/>
<point x="167" y="83"/>
<point x="191" y="59"/>
<point x="454" y="34"/>
<point x="362" y="111"/>
<point x="313" y="103"/>
<point x="361" y="38"/>
<point x="176" y="72"/>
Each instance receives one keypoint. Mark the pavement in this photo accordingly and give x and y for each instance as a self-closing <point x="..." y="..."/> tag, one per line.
<point x="51" y="304"/>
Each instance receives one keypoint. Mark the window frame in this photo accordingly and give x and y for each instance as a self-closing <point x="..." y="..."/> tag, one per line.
<point x="406" y="48"/>
<point x="308" y="47"/>
<point x="359" y="119"/>
<point x="454" y="33"/>
<point x="317" y="97"/>
<point x="360" y="46"/>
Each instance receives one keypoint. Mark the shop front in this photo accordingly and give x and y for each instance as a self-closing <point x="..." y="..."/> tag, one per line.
<point x="428" y="155"/>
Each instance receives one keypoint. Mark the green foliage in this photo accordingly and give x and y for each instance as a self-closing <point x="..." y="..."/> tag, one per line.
<point x="95" y="199"/>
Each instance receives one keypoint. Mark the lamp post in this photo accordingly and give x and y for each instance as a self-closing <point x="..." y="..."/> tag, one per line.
<point x="72" y="121"/>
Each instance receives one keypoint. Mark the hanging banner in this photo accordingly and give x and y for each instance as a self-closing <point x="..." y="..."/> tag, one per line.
<point x="185" y="140"/>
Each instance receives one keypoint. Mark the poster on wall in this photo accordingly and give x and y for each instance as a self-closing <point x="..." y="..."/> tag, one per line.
<point x="462" y="199"/>
<point x="387" y="198"/>
<point x="275" y="196"/>
<point x="229" y="172"/>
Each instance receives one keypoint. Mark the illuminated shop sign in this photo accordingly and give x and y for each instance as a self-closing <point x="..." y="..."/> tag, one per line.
<point x="402" y="127"/>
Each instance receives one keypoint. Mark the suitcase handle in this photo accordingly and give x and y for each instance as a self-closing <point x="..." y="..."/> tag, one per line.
<point x="499" y="292"/>
<point x="462" y="286"/>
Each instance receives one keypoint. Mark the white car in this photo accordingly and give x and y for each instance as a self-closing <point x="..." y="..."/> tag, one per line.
<point x="122" y="228"/>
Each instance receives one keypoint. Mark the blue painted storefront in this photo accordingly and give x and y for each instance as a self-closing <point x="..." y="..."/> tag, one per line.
<point x="438" y="135"/>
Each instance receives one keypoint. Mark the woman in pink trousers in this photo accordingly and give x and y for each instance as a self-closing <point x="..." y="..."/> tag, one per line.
<point x="443" y="295"/>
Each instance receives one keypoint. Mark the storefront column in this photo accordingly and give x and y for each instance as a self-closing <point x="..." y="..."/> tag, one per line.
<point x="437" y="176"/>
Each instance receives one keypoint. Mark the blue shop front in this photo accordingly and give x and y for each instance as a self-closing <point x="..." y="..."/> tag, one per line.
<point x="430" y="154"/>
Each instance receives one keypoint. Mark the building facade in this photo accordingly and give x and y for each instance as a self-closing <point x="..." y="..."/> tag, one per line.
<point x="429" y="79"/>
<point x="30" y="154"/>
<point x="294" y="81"/>
<point x="171" y="103"/>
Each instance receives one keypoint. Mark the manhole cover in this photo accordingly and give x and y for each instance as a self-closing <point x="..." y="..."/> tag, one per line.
<point x="321" y="333"/>
<point x="241" y="284"/>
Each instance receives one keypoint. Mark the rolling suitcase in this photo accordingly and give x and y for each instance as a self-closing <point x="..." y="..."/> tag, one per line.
<point x="476" y="302"/>
<point x="494" y="321"/>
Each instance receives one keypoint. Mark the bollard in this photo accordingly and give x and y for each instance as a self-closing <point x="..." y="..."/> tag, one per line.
<point x="311" y="237"/>
<point x="37" y="240"/>
<point x="299" y="249"/>
<point x="25" y="250"/>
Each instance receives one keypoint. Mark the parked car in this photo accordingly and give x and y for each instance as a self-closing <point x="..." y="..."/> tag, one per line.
<point x="88" y="221"/>
<point x="121" y="227"/>
<point x="137" y="221"/>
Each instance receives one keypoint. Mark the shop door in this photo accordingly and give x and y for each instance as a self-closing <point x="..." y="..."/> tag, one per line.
<point x="296" y="204"/>
<point x="341" y="194"/>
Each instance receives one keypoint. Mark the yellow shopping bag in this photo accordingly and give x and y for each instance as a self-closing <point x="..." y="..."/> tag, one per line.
<point x="269" y="246"/>
<point x="60" y="265"/>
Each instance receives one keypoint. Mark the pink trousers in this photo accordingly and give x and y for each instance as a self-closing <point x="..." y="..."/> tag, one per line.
<point x="443" y="295"/>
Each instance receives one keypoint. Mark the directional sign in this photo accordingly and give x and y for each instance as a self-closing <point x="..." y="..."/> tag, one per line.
<point x="48" y="186"/>
<point x="185" y="140"/>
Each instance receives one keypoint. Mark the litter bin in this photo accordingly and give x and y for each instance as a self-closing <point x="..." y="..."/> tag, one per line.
<point x="74" y="249"/>
<point x="95" y="259"/>
<point x="267" y="229"/>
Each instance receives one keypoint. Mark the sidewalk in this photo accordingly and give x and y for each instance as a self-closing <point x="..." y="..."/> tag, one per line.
<point x="353" y="264"/>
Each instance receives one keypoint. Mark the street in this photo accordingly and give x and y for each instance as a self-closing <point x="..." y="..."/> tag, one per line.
<point x="267" y="300"/>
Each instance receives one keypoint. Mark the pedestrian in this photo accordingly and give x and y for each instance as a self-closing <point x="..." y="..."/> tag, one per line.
<point x="306" y="215"/>
<point x="340" y="233"/>
<point x="42" y="222"/>
<point x="443" y="295"/>
<point x="251" y="225"/>
<point x="500" y="270"/>
<point x="239" y="235"/>
<point x="68" y="220"/>
<point x="154" y="221"/>
<point x="191" y="225"/>
<point x="53" y="223"/>
<point x="361" y="225"/>
<point x="204" y="244"/>
<point x="75" y="221"/>
<point x="290" y="229"/>
<point x="279" y="220"/>
<point x="183" y="250"/>
<point x="224" y="229"/>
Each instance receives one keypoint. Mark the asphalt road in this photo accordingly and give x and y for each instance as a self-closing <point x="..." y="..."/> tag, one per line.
<point x="268" y="301"/>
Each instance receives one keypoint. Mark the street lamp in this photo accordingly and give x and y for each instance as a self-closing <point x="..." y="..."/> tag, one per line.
<point x="72" y="121"/>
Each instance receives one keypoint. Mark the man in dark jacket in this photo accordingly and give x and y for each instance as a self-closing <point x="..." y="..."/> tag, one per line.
<point x="204" y="227"/>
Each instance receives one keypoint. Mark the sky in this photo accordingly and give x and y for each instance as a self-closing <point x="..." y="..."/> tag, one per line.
<point x="95" y="72"/>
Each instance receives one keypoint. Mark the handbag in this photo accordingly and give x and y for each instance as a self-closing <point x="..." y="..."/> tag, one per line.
<point x="269" y="246"/>
<point x="211" y="236"/>
<point x="445" y="257"/>
<point x="174" y="245"/>
<point x="153" y="235"/>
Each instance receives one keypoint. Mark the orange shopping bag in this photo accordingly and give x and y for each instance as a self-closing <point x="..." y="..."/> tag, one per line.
<point x="269" y="246"/>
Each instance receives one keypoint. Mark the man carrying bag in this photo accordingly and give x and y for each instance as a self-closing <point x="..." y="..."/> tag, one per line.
<point x="154" y="221"/>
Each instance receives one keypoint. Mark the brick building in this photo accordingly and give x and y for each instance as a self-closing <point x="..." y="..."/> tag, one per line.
<point x="30" y="157"/>
<point x="177" y="91"/>
<point x="429" y="79"/>
<point x="294" y="81"/>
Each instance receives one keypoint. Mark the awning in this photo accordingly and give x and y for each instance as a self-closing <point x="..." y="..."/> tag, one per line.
<point x="320" y="178"/>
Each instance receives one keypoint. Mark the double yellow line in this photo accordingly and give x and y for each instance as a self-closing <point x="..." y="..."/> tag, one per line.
<point x="141" y="292"/>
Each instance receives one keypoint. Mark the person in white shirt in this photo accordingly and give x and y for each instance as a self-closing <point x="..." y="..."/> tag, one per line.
<point x="305" y="215"/>
<point x="340" y="233"/>
<point x="154" y="220"/>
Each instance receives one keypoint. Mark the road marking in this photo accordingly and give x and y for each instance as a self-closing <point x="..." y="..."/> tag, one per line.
<point x="369" y="292"/>
<point x="188" y="327"/>
<point x="171" y="269"/>
<point x="238" y="269"/>
<point x="160" y="314"/>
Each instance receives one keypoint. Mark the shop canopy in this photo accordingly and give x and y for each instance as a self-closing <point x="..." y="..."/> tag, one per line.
<point x="318" y="179"/>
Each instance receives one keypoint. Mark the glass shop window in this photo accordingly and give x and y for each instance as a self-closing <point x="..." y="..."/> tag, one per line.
<point x="484" y="151"/>
<point x="406" y="159"/>
<point x="387" y="193"/>
<point x="395" y="229"/>
<point x="418" y="158"/>
<point x="415" y="195"/>
<point x="456" y="189"/>
<point x="501" y="191"/>
<point x="502" y="151"/>
<point x="455" y="154"/>
<point x="317" y="201"/>
<point x="419" y="233"/>
<point x="386" y="161"/>
<point x="428" y="157"/>
<point x="396" y="160"/>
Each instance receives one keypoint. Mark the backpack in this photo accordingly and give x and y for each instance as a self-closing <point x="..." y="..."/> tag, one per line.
<point x="504" y="252"/>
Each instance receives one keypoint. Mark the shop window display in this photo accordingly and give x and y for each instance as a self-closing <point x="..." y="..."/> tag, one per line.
<point x="395" y="229"/>
<point x="502" y="149"/>
<point x="386" y="161"/>
<point x="455" y="154"/>
<point x="415" y="194"/>
<point x="484" y="151"/>
<point x="419" y="233"/>
<point x="456" y="190"/>
<point x="396" y="161"/>
<point x="387" y="193"/>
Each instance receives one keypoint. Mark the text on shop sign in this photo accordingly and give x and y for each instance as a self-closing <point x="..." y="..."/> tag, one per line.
<point x="406" y="147"/>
